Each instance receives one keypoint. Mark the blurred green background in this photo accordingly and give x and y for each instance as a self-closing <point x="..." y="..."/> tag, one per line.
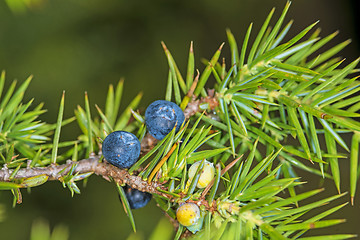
<point x="79" y="45"/>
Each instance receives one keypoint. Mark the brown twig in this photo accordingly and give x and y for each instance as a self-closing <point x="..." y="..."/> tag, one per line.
<point x="104" y="169"/>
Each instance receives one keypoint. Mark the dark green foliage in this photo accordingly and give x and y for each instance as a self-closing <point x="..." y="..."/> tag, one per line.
<point x="271" y="95"/>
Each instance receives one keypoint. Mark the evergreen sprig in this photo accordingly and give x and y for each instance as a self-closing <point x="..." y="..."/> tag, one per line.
<point x="242" y="125"/>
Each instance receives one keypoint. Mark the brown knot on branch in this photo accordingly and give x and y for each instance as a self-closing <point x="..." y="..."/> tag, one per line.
<point x="199" y="105"/>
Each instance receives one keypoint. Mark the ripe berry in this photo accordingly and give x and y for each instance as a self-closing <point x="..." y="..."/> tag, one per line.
<point x="188" y="214"/>
<point x="161" y="117"/>
<point x="206" y="175"/>
<point x="121" y="149"/>
<point x="136" y="198"/>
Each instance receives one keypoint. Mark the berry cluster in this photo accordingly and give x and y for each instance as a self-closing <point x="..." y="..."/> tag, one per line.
<point x="189" y="214"/>
<point x="122" y="149"/>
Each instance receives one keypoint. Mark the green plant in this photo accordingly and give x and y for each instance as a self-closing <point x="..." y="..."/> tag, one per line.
<point x="275" y="92"/>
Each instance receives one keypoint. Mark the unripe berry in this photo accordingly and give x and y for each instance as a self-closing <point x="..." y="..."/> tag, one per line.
<point x="121" y="149"/>
<point x="136" y="198"/>
<point x="206" y="175"/>
<point x="188" y="214"/>
<point x="161" y="117"/>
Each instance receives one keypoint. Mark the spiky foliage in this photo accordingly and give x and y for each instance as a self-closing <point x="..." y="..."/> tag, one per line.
<point x="275" y="93"/>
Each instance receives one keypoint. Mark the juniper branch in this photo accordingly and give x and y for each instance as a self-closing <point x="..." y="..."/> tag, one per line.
<point x="103" y="168"/>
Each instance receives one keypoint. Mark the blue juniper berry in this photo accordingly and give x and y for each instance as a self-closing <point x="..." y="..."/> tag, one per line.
<point x="121" y="149"/>
<point x="161" y="117"/>
<point x="136" y="198"/>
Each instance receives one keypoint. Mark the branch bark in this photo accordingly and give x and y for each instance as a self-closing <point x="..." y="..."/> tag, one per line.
<point x="103" y="169"/>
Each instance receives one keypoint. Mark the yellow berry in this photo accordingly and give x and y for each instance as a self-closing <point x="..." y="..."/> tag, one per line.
<point x="206" y="175"/>
<point x="188" y="214"/>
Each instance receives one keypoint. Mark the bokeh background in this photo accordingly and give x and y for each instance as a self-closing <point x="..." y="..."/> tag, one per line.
<point x="79" y="46"/>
